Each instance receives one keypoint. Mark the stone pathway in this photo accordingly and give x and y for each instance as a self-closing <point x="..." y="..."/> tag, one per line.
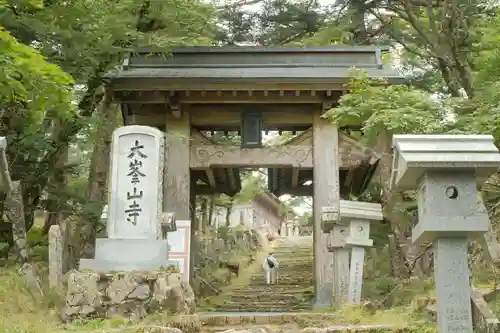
<point x="294" y="291"/>
<point x="251" y="306"/>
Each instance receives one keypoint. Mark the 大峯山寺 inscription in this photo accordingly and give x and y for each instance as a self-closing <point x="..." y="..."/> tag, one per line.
<point x="136" y="157"/>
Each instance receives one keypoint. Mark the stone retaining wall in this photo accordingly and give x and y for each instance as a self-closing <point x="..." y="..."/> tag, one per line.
<point x="130" y="295"/>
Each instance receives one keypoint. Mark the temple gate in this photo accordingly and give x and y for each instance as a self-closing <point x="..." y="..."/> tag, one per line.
<point x="196" y="91"/>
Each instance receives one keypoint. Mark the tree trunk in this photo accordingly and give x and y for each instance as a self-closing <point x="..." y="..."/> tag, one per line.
<point x="98" y="176"/>
<point x="204" y="214"/>
<point x="57" y="184"/>
<point x="211" y="210"/>
<point x="451" y="84"/>
<point x="396" y="219"/>
<point x="229" y="209"/>
<point x="357" y="25"/>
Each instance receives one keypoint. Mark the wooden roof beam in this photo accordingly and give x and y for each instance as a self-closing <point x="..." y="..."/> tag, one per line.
<point x="225" y="96"/>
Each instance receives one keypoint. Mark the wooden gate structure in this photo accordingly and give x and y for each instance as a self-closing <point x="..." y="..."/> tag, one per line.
<point x="194" y="91"/>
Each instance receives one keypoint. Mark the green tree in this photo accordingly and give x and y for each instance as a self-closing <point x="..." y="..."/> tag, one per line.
<point x="86" y="38"/>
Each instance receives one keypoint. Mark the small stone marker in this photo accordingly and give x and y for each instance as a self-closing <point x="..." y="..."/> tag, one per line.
<point x="289" y="228"/>
<point x="134" y="221"/>
<point x="14" y="207"/>
<point x="358" y="214"/>
<point x="446" y="170"/>
<point x="14" y="212"/>
<point x="340" y="264"/>
<point x="5" y="181"/>
<point x="55" y="257"/>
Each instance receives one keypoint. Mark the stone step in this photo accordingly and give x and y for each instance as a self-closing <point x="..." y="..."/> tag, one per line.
<point x="258" y="292"/>
<point x="276" y="291"/>
<point x="280" y="288"/>
<point x="250" y="297"/>
<point x="267" y="302"/>
<point x="293" y="292"/>
<point x="291" y="328"/>
<point x="280" y="285"/>
<point x="284" y="276"/>
<point x="263" y="318"/>
<point x="256" y="309"/>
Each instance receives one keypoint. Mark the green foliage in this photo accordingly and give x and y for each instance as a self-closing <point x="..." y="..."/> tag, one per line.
<point x="397" y="109"/>
<point x="19" y="311"/>
<point x="276" y="22"/>
<point x="252" y="187"/>
<point x="306" y="219"/>
<point x="38" y="244"/>
<point x="29" y="85"/>
<point x="55" y="55"/>
<point x="223" y="232"/>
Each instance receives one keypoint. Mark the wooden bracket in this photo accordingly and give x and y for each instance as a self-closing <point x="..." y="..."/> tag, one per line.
<point x="327" y="105"/>
<point x="174" y="105"/>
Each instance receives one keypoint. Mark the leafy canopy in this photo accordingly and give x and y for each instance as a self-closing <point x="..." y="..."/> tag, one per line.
<point x="29" y="84"/>
<point x="394" y="109"/>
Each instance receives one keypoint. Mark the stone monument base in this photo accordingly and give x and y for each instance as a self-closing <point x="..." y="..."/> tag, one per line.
<point x="128" y="255"/>
<point x="131" y="295"/>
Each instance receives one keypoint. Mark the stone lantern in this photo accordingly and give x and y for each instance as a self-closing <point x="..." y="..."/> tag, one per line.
<point x="446" y="170"/>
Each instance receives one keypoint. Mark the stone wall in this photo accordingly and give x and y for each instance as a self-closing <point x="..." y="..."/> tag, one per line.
<point x="131" y="295"/>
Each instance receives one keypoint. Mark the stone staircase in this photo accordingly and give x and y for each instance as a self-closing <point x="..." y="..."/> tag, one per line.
<point x="294" y="291"/>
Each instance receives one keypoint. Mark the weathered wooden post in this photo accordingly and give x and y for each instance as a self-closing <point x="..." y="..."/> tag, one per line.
<point x="358" y="216"/>
<point x="447" y="170"/>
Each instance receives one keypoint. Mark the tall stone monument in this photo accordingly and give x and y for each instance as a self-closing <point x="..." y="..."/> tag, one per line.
<point x="134" y="227"/>
<point x="447" y="170"/>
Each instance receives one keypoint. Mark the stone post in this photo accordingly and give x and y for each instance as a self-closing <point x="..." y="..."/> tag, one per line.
<point x="55" y="257"/>
<point x="340" y="264"/>
<point x="446" y="170"/>
<point x="5" y="180"/>
<point x="14" y="211"/>
<point x="359" y="215"/>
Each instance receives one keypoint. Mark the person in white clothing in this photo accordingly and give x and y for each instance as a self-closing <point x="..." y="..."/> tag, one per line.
<point x="270" y="266"/>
